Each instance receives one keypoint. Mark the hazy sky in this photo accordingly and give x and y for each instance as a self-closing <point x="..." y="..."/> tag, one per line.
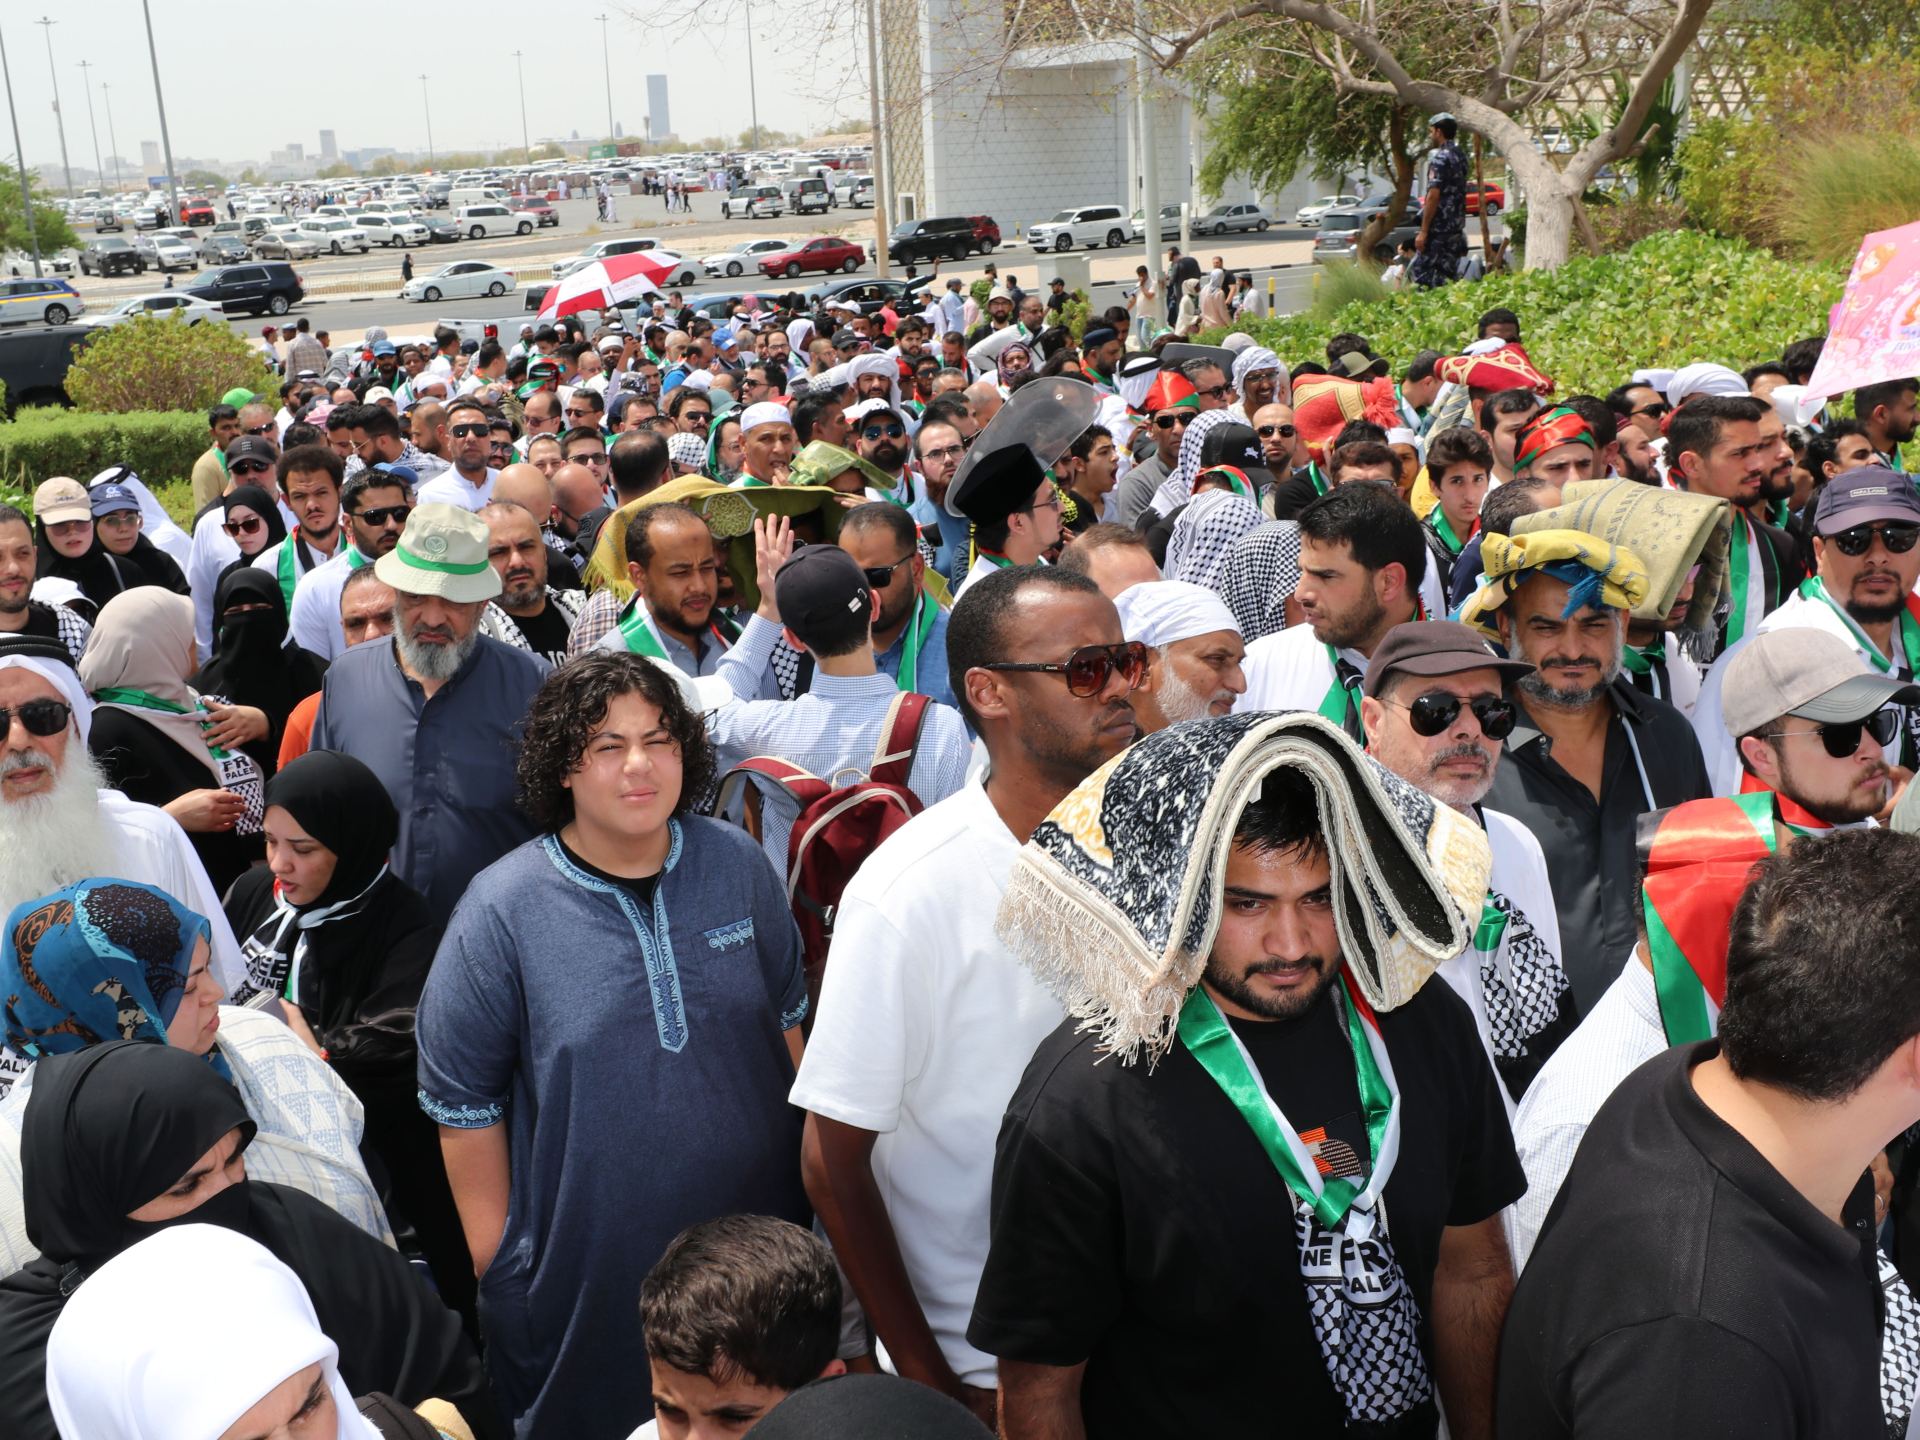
<point x="244" y="79"/>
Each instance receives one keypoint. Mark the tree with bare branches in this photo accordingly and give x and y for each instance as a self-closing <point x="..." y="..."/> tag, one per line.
<point x="1520" y="59"/>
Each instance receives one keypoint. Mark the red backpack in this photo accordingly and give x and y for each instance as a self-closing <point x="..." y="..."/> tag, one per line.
<point x="836" y="827"/>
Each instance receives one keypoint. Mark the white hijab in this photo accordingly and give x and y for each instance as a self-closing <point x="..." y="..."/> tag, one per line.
<point x="127" y="1359"/>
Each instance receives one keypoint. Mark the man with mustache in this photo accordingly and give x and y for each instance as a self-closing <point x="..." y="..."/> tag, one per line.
<point x="435" y="708"/>
<point x="1436" y="711"/>
<point x="1195" y="670"/>
<point x="1866" y="549"/>
<point x="530" y="614"/>
<point x="1590" y="753"/>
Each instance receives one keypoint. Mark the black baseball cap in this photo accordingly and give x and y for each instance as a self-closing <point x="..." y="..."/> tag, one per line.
<point x="252" y="447"/>
<point x="1435" y="647"/>
<point x="820" y="583"/>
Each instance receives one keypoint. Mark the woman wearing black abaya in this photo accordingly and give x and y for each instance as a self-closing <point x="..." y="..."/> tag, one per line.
<point x="63" y="539"/>
<point x="327" y="925"/>
<point x="111" y="1134"/>
<point x="252" y="662"/>
<point x="117" y="529"/>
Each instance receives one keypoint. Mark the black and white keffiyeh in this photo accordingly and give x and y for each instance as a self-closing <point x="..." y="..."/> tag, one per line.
<point x="1205" y="533"/>
<point x="1899" y="1349"/>
<point x="1365" y="1318"/>
<point x="1260" y="572"/>
<point x="1521" y="980"/>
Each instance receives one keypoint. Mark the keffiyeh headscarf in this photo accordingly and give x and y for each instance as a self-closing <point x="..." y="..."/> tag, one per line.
<point x="1546" y="431"/>
<point x="1251" y="361"/>
<point x="1206" y="530"/>
<point x="1260" y="572"/>
<point x="1600" y="574"/>
<point x="1177" y="489"/>
<point x="1000" y="360"/>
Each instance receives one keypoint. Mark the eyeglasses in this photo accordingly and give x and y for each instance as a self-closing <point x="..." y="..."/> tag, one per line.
<point x="1898" y="539"/>
<point x="41" y="717"/>
<point x="945" y="452"/>
<point x="1215" y="392"/>
<point x="1842" y="738"/>
<point x="384" y="515"/>
<point x="697" y="417"/>
<point x="1267" y="432"/>
<point x="882" y="577"/>
<point x="266" y="429"/>
<point x="500" y="447"/>
<point x="249" y="467"/>
<point x="244" y="527"/>
<point x="1053" y="502"/>
<point x="1089" y="668"/>
<point x="876" y="432"/>
<point x="1167" y="422"/>
<point x="467" y="432"/>
<point x="1431" y="714"/>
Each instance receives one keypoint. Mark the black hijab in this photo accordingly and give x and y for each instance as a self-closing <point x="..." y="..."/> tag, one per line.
<point x="341" y="803"/>
<point x="263" y="505"/>
<point x="99" y="575"/>
<point x="151" y="564"/>
<point x="113" y="1126"/>
<point x="252" y="663"/>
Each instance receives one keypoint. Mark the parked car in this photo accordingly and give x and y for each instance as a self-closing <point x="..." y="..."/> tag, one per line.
<point x="60" y="262"/>
<point x="271" y="288"/>
<point x="106" y="220"/>
<point x="34" y="361"/>
<point x="1222" y="218"/>
<point x="755" y="202"/>
<point x="1496" y="198"/>
<point x="1311" y="214"/>
<point x="600" y="250"/>
<point x="196" y="210"/>
<point x="335" y="234"/>
<point x="1339" y="236"/>
<point x="852" y="189"/>
<point x="736" y="262"/>
<point x="223" y="249"/>
<point x="544" y="215"/>
<point x="938" y="237"/>
<point x="479" y="221"/>
<point x="1169" y="223"/>
<point x="391" y="230"/>
<point x="824" y="252"/>
<point x="114" y="256"/>
<point x="149" y="217"/>
<point x="166" y="252"/>
<point x="441" y="230"/>
<point x="24" y="301"/>
<point x="283" y="245"/>
<point x="459" y="280"/>
<point x="806" y="195"/>
<point x="253" y="227"/>
<point x="1090" y="225"/>
<point x="870" y="295"/>
<point x="190" y="308"/>
<point x="681" y="272"/>
<point x="986" y="233"/>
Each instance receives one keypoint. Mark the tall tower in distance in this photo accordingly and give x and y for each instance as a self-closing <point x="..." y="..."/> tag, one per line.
<point x="329" y="149"/>
<point x="659" y="125"/>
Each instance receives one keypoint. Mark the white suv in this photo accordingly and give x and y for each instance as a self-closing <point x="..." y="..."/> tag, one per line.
<point x="477" y="221"/>
<point x="600" y="250"/>
<point x="392" y="230"/>
<point x="756" y="202"/>
<point x="1090" y="225"/>
<point x="334" y="234"/>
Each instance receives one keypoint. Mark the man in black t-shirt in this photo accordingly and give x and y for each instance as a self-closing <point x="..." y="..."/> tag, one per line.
<point x="1709" y="1265"/>
<point x="529" y="614"/>
<point x="1162" y="1263"/>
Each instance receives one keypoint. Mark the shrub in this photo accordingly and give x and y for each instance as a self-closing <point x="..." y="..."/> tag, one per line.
<point x="156" y="363"/>
<point x="1619" y="227"/>
<point x="1833" y="193"/>
<point x="40" y="442"/>
<point x="1672" y="299"/>
<point x="1340" y="285"/>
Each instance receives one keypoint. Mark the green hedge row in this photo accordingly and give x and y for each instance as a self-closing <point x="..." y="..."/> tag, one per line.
<point x="159" y="446"/>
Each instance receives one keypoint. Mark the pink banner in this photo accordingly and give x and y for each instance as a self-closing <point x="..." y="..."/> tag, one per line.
<point x="1873" y="334"/>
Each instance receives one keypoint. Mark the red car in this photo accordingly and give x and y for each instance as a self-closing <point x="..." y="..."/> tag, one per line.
<point x="541" y="211"/>
<point x="196" y="210"/>
<point x="1496" y="198"/>
<point x="986" y="233"/>
<point x="822" y="253"/>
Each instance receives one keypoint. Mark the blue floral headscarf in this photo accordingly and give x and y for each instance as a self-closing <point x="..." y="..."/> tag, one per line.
<point x="99" y="960"/>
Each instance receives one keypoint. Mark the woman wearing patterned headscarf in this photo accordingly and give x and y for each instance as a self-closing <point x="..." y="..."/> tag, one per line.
<point x="107" y="960"/>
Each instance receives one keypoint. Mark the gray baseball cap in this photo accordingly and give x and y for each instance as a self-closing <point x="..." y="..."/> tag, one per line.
<point x="1804" y="672"/>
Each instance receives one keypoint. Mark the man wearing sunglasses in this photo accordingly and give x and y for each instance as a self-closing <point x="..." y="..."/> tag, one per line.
<point x="1589" y="754"/>
<point x="898" y="1154"/>
<point x="1639" y="407"/>
<point x="909" y="627"/>
<point x="1436" y="711"/>
<point x="376" y="503"/>
<point x="1170" y="406"/>
<point x="469" y="483"/>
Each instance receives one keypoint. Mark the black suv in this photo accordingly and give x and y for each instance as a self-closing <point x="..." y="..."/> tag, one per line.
<point x="265" y="287"/>
<point x="111" y="257"/>
<point x="915" y="242"/>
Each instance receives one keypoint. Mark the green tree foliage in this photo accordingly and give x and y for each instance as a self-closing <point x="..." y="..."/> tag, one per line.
<point x="204" y="180"/>
<point x="49" y="225"/>
<point x="155" y="363"/>
<point x="1671" y="300"/>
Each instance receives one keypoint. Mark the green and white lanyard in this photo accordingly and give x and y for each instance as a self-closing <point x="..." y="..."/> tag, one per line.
<point x="908" y="678"/>
<point x="141" y="699"/>
<point x="1815" y="589"/>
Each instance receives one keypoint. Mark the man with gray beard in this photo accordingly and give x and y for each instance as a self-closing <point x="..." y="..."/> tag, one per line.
<point x="435" y="709"/>
<point x="1435" y="713"/>
<point x="1195" y="670"/>
<point x="1589" y="754"/>
<point x="58" y="825"/>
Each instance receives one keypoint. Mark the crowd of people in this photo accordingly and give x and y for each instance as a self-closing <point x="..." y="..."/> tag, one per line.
<point x="814" y="872"/>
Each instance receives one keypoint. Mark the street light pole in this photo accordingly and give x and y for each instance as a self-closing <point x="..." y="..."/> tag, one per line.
<point x="426" y="99"/>
<point x="20" y="157"/>
<point x="606" y="70"/>
<point x="46" y="28"/>
<point x="106" y="99"/>
<point x="526" y="145"/>
<point x="160" y="100"/>
<point x="753" y="92"/>
<point x="99" y="175"/>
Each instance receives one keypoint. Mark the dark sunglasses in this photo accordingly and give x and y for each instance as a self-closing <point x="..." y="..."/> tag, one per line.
<point x="581" y="414"/>
<point x="881" y="578"/>
<point x="1898" y="539"/>
<point x="465" y="432"/>
<point x="383" y="514"/>
<point x="249" y="467"/>
<point x="1430" y="715"/>
<point x="1089" y="668"/>
<point x="41" y="717"/>
<point x="698" y="417"/>
<point x="1842" y="739"/>
<point x="266" y="429"/>
<point x="1654" y="411"/>
<point x="244" y="527"/>
<point x="1267" y="432"/>
<point x="1167" y="422"/>
<point x="890" y="432"/>
<point x="1214" y="392"/>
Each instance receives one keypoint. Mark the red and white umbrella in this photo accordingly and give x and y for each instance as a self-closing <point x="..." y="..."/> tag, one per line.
<point x="606" y="283"/>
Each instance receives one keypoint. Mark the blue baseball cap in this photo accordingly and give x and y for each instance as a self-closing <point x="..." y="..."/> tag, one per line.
<point x="401" y="474"/>
<point x="111" y="499"/>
